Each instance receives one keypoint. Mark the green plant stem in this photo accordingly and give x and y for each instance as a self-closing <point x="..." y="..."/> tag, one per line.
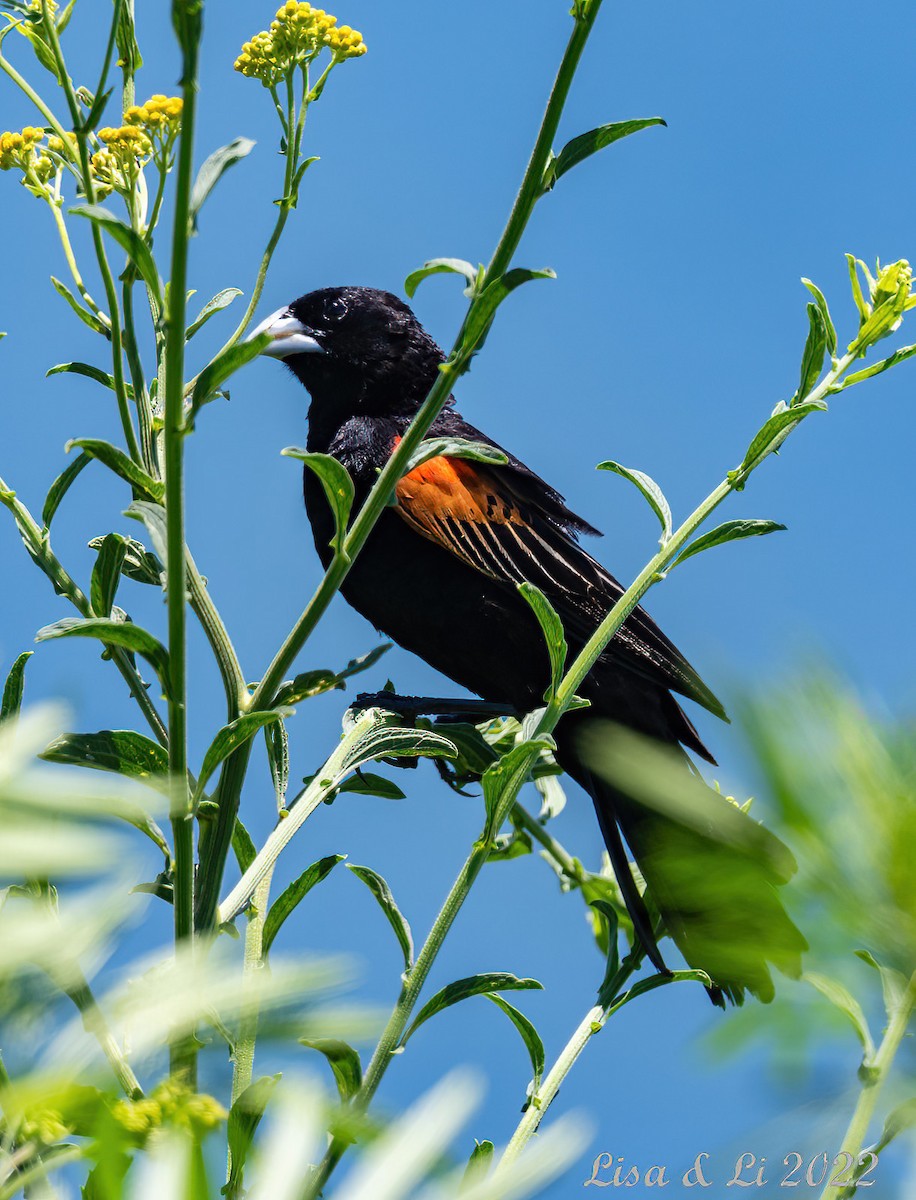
<point x="215" y="849"/>
<point x="285" y="207"/>
<point x="533" y="182"/>
<point x="111" y="295"/>
<point x="127" y="69"/>
<point x="574" y="871"/>
<point x="217" y="635"/>
<point x="878" y="1070"/>
<point x="63" y="582"/>
<point x="52" y="1159"/>
<point x="138" y="382"/>
<point x="61" y="225"/>
<point x="183" y="1056"/>
<point x="94" y="1022"/>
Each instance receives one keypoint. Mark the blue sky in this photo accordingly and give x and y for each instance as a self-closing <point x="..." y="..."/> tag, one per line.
<point x="675" y="324"/>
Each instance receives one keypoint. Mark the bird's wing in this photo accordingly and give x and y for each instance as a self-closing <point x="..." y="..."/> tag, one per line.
<point x="489" y="520"/>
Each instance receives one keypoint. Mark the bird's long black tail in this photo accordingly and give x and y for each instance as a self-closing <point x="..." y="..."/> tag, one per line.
<point x="711" y="870"/>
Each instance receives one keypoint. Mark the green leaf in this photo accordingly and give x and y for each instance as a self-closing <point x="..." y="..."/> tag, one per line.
<point x="484" y="307"/>
<point x="126" y="40"/>
<point x="306" y="685"/>
<point x="650" y="490"/>
<point x="153" y="517"/>
<point x="106" y="574"/>
<point x="397" y="741"/>
<point x="606" y="937"/>
<point x="478" y="1163"/>
<point x="292" y="197"/>
<point x="893" y="982"/>
<point x="215" y="373"/>
<point x="587" y="144"/>
<point x="120" y="750"/>
<point x="463" y="989"/>
<point x="229" y="738"/>
<point x="861" y="304"/>
<point x="829" y="327"/>
<point x="554" y="636"/>
<point x="365" y="783"/>
<point x="87" y="317"/>
<point x="139" y="564"/>
<point x="364" y="661"/>
<point x="453" y="447"/>
<point x="116" y="460"/>
<point x="90" y="372"/>
<point x="898" y="356"/>
<point x="138" y="252"/>
<point x="439" y="266"/>
<point x="529" y="1035"/>
<point x="813" y="356"/>
<point x="728" y="531"/>
<point x="212" y="171"/>
<point x="14" y="687"/>
<point x="242" y="846"/>
<point x="343" y="1061"/>
<point x="290" y="898"/>
<point x="382" y="892"/>
<point x="220" y="301"/>
<point x="841" y="998"/>
<point x="277" y="741"/>
<point x="114" y="633"/>
<point x="61" y="486"/>
<point x="338" y="487"/>
<point x="771" y="435"/>
<point x="897" y="1121"/>
<point x="506" y="776"/>
<point x="244" y="1118"/>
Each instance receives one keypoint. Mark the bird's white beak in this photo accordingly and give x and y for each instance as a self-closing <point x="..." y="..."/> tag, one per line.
<point x="289" y="335"/>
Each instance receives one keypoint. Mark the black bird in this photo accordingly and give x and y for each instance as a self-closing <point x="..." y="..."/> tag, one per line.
<point x="439" y="574"/>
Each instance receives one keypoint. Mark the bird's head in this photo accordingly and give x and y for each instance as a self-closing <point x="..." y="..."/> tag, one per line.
<point x="356" y="349"/>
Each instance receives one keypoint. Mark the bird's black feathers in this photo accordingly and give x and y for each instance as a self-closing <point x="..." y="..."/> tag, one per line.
<point x="440" y="572"/>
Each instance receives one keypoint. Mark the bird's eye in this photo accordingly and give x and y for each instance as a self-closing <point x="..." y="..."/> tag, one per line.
<point x="335" y="309"/>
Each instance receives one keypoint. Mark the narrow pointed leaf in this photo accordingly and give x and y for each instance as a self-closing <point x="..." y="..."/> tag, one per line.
<point x="153" y="517"/>
<point x="529" y="1036"/>
<point x="364" y="661"/>
<point x="463" y="989"/>
<point x="220" y="301"/>
<point x="128" y="239"/>
<point x="242" y="846"/>
<point x="309" y="683"/>
<point x="366" y="783"/>
<point x="88" y="371"/>
<point x="821" y="301"/>
<point x="87" y="317"/>
<point x="396" y="919"/>
<point x="14" y="687"/>
<point x="453" y="447"/>
<point x="287" y="901"/>
<point x="106" y="574"/>
<point x="114" y="633"/>
<point x="552" y="628"/>
<point x="277" y="741"/>
<point x="123" y="751"/>
<point x="439" y="266"/>
<point x="230" y="737"/>
<point x="897" y="1121"/>
<point x="139" y="564"/>
<point x="770" y="436"/>
<point x="343" y="1061"/>
<point x="244" y="1118"/>
<point x="116" y="460"/>
<point x="61" y="486"/>
<point x="650" y="490"/>
<point x="898" y="356"/>
<point x="506" y="776"/>
<point x="815" y="349"/>
<point x="215" y="373"/>
<point x="893" y="982"/>
<point x="728" y="531"/>
<point x="587" y="144"/>
<point x="338" y="487"/>
<point x="841" y="998"/>
<point x="483" y="310"/>
<point x="212" y="170"/>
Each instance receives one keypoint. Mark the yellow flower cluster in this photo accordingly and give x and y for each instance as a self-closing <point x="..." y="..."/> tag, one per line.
<point x="171" y="1103"/>
<point x="23" y="152"/>
<point x="126" y="150"/>
<point x="297" y="34"/>
<point x="18" y="150"/>
<point x="160" y="119"/>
